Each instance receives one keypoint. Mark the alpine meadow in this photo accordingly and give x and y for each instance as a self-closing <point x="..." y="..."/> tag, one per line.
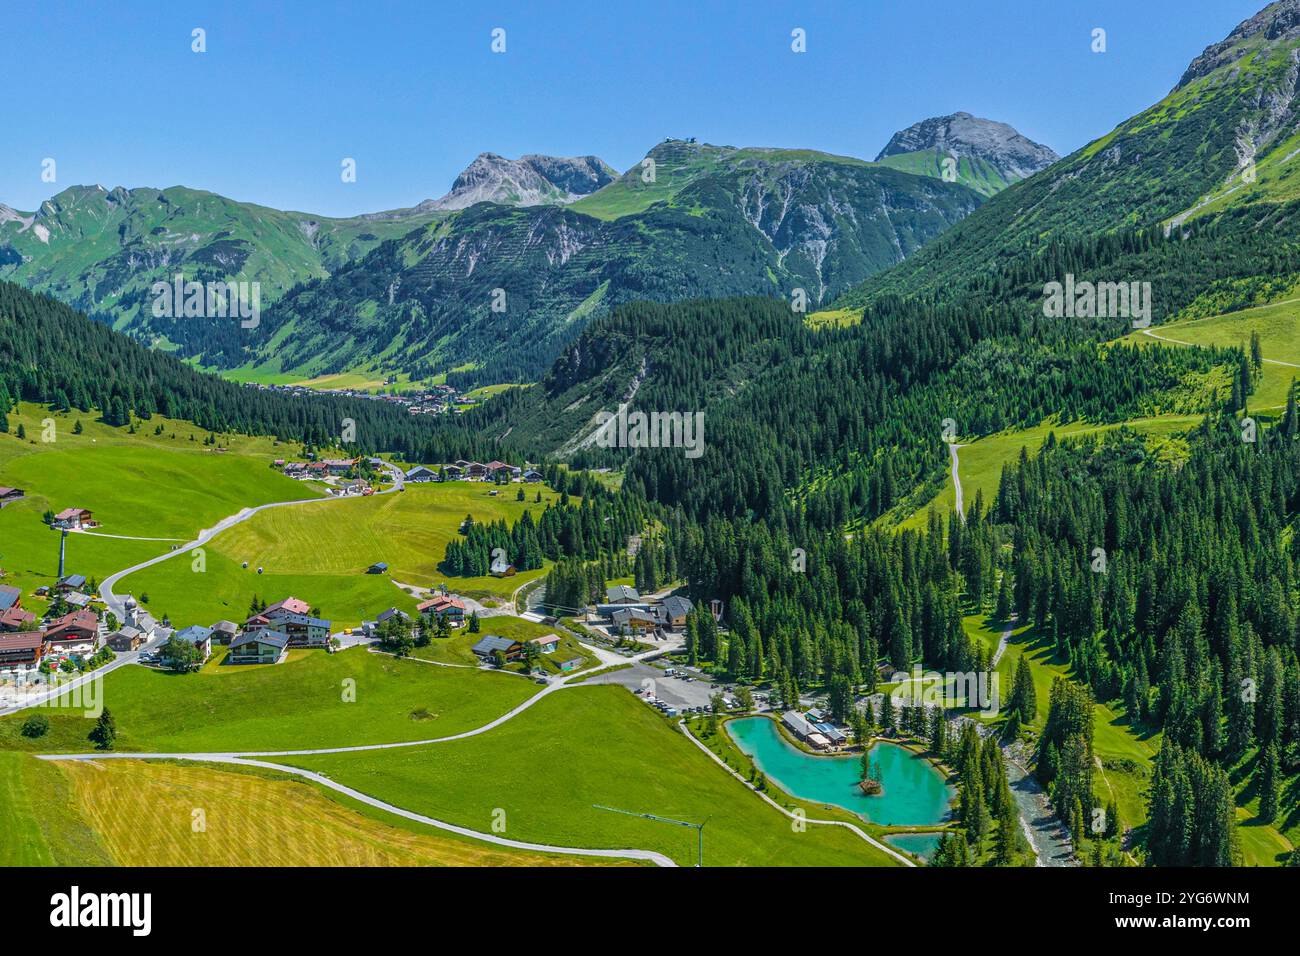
<point x="642" y="501"/>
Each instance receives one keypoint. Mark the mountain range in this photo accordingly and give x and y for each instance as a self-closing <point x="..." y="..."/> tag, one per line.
<point x="1225" y="138"/>
<point x="412" y="291"/>
<point x="1162" y="198"/>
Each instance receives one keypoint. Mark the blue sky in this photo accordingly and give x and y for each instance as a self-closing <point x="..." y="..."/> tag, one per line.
<point x="412" y="90"/>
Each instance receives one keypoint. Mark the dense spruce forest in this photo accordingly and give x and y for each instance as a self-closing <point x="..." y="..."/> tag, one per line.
<point x="596" y="527"/>
<point x="55" y="355"/>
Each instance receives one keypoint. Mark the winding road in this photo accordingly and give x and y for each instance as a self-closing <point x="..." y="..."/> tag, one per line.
<point x="253" y="758"/>
<point x="956" y="483"/>
<point x="115" y="604"/>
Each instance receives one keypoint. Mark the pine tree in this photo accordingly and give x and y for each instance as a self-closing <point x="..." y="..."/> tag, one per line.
<point x="1266" y="778"/>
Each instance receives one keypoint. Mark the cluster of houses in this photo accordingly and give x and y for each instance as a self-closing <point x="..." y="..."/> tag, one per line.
<point x="25" y="642"/>
<point x="436" y="400"/>
<point x="266" y="636"/>
<point x="631" y="616"/>
<point x="814" y="728"/>
<point x="329" y="468"/>
<point x="444" y="607"/>
<point x="462" y="470"/>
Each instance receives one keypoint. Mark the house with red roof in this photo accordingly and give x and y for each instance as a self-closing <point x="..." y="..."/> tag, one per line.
<point x="21" y="651"/>
<point x="291" y="604"/>
<point x="444" y="606"/>
<point x="75" y="632"/>
<point x="16" y="619"/>
<point x="75" y="519"/>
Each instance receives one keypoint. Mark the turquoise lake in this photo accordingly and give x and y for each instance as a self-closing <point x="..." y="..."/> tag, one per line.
<point x="915" y="794"/>
<point x="922" y="844"/>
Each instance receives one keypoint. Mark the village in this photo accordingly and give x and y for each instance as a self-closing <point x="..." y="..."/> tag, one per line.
<point x="434" y="400"/>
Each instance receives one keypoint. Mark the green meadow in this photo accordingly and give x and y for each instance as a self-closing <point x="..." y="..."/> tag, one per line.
<point x="142" y="485"/>
<point x="320" y="552"/>
<point x="302" y="703"/>
<point x="979" y="463"/>
<point x="1279" y="333"/>
<point x="39" y="822"/>
<point x="549" y="768"/>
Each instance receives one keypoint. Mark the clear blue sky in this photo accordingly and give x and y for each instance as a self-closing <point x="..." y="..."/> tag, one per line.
<point x="413" y="92"/>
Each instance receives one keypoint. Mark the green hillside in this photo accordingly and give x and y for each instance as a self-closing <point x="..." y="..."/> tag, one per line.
<point x="978" y="174"/>
<point x="101" y="250"/>
<point x="551" y="767"/>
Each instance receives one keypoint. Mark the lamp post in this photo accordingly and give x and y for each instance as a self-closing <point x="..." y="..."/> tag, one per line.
<point x="699" y="827"/>
<point x="63" y="542"/>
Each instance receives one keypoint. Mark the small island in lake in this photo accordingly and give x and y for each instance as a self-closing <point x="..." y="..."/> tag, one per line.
<point x="870" y="782"/>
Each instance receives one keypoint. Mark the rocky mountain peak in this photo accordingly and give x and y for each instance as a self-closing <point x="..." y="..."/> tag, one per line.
<point x="1276" y="24"/>
<point x="961" y="134"/>
<point x="528" y="181"/>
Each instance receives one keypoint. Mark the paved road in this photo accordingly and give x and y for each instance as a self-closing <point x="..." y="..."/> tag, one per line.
<point x="956" y="483"/>
<point x="121" y="660"/>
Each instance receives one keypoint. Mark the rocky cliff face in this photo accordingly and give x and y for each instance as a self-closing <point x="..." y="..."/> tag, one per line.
<point x="1276" y="25"/>
<point x="965" y="136"/>
<point x="528" y="181"/>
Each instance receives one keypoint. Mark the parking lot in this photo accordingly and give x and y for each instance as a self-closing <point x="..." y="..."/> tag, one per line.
<point x="676" y="692"/>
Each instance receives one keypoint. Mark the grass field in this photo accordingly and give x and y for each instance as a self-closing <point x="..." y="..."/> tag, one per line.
<point x="141" y="485"/>
<point x="457" y="648"/>
<point x="833" y="318"/>
<point x="167" y="814"/>
<point x="1278" y="326"/>
<point x="320" y="552"/>
<point x="40" y="824"/>
<point x="291" y="706"/>
<point x="549" y="767"/>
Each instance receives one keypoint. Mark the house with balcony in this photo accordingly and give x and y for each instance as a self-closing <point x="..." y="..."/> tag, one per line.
<point x="264" y="647"/>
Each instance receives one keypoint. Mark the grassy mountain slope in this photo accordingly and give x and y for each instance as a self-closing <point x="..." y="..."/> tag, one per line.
<point x="101" y="250"/>
<point x="1233" y="117"/>
<point x="980" y="175"/>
